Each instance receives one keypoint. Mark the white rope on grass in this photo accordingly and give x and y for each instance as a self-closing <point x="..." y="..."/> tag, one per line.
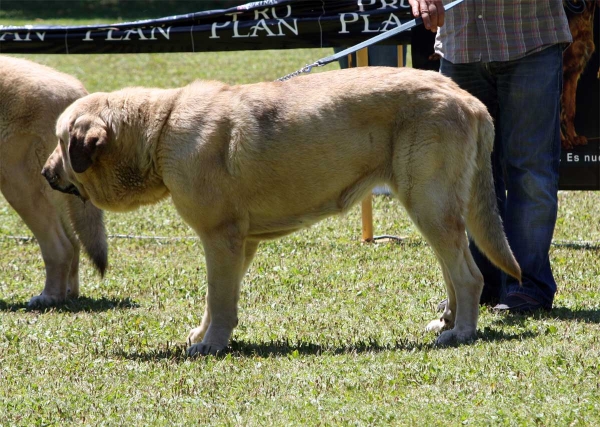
<point x="580" y="244"/>
<point x="111" y="236"/>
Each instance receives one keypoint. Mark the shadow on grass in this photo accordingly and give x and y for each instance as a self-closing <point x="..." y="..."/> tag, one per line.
<point x="83" y="304"/>
<point x="177" y="353"/>
<point x="557" y="313"/>
<point x="268" y="349"/>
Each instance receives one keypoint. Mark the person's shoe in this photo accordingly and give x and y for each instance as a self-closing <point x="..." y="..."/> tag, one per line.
<point x="519" y="303"/>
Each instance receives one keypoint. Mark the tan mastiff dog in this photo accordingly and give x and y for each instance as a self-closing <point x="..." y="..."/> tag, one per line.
<point x="32" y="97"/>
<point x="253" y="162"/>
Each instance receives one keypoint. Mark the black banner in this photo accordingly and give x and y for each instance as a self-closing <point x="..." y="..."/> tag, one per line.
<point x="268" y="24"/>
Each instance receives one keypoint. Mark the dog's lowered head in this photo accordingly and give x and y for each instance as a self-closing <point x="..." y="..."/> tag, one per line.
<point x="79" y="137"/>
<point x="94" y="161"/>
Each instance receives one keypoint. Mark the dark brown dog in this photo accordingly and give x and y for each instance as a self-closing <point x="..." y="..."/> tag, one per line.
<point x="575" y="58"/>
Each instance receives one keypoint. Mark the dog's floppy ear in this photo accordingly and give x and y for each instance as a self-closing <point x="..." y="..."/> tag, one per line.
<point x="83" y="148"/>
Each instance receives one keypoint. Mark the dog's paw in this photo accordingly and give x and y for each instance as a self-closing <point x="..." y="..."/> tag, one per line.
<point x="195" y="335"/>
<point x="201" y="349"/>
<point x="44" y="300"/>
<point x="453" y="337"/>
<point x="437" y="325"/>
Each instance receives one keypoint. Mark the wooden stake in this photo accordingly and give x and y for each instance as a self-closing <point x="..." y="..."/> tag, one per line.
<point x="362" y="60"/>
<point x="400" y="55"/>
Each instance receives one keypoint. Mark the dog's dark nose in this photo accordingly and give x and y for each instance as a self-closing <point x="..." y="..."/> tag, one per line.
<point x="53" y="180"/>
<point x="51" y="177"/>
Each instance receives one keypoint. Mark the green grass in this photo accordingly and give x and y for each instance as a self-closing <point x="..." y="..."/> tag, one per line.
<point x="331" y="331"/>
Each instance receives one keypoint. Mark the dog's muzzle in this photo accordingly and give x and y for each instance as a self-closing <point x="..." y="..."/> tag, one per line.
<point x="53" y="180"/>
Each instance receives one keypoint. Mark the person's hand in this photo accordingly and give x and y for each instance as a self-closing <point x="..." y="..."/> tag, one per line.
<point x="432" y="12"/>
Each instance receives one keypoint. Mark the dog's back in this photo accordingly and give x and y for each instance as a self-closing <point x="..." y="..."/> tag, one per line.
<point x="33" y="96"/>
<point x="31" y="93"/>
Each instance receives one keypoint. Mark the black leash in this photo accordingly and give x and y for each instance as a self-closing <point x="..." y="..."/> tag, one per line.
<point x="329" y="59"/>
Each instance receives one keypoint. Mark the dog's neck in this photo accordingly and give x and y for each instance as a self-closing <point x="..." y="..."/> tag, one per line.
<point x="152" y="108"/>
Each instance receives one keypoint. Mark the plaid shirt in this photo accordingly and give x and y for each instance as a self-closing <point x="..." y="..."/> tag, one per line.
<point x="500" y="30"/>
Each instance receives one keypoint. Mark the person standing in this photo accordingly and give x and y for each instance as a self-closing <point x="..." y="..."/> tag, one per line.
<point x="508" y="53"/>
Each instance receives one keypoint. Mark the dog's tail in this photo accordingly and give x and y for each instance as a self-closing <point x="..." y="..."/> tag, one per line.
<point x="483" y="218"/>
<point x="88" y="222"/>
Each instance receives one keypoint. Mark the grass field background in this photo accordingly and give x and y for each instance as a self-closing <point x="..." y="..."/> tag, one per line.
<point x="331" y="331"/>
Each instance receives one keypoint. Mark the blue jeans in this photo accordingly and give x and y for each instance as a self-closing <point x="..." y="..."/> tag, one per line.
<point x="523" y="97"/>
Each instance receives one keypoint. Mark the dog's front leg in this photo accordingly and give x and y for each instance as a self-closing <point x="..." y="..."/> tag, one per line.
<point x="225" y="262"/>
<point x="197" y="334"/>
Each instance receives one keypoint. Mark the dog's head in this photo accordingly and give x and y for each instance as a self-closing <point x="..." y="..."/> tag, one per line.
<point x="94" y="161"/>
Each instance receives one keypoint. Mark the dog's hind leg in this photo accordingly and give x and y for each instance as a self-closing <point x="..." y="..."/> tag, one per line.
<point x="446" y="320"/>
<point x="438" y="215"/>
<point x="73" y="283"/>
<point x="197" y="334"/>
<point x="60" y="254"/>
<point x="44" y="218"/>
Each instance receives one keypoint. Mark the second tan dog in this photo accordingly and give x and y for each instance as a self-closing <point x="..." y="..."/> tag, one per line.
<point x="32" y="97"/>
<point x="253" y="162"/>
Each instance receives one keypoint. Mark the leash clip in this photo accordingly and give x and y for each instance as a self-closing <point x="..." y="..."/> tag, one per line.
<point x="304" y="70"/>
